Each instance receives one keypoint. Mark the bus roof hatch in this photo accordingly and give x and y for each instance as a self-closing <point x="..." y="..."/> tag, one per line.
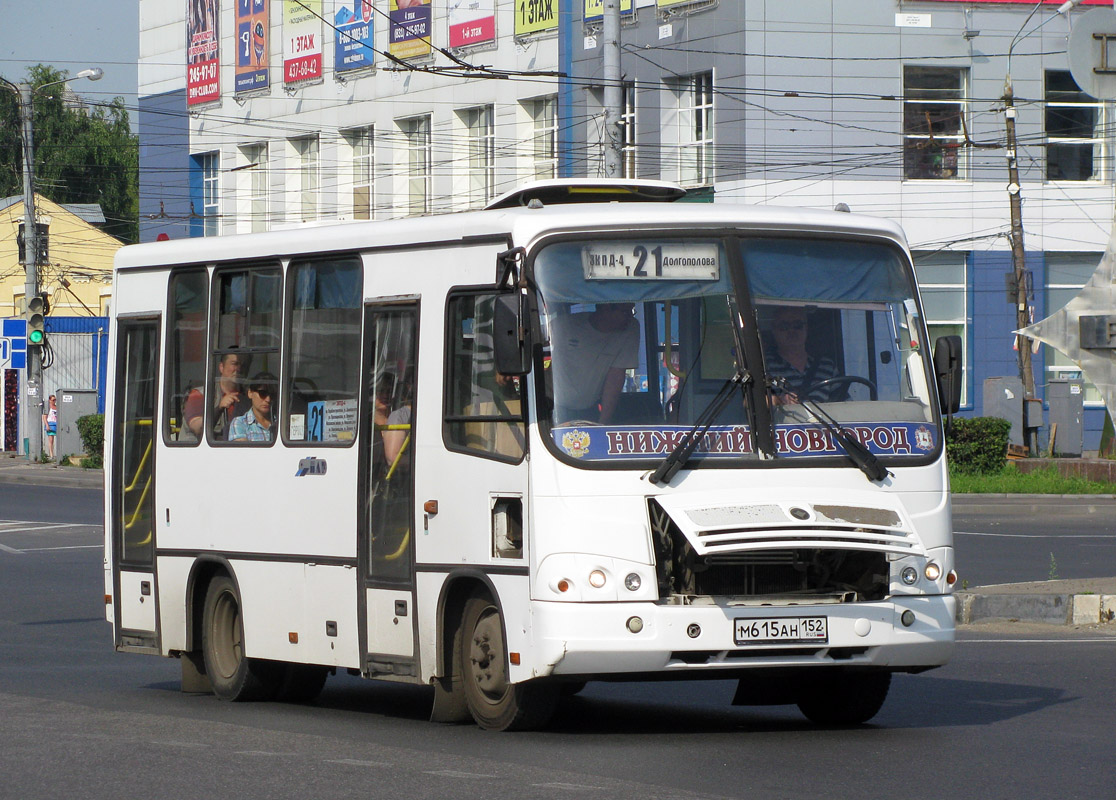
<point x="589" y="190"/>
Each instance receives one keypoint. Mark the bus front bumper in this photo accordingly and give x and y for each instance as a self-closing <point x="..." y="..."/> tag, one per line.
<point x="646" y="638"/>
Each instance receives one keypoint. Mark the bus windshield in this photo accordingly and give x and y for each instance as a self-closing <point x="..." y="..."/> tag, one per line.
<point x="642" y="336"/>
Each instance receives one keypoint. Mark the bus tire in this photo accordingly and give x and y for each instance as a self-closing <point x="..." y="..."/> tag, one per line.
<point x="845" y="698"/>
<point x="233" y="676"/>
<point x="496" y="704"/>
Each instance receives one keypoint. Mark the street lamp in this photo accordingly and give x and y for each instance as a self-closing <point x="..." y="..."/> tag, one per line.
<point x="1022" y="314"/>
<point x="32" y="423"/>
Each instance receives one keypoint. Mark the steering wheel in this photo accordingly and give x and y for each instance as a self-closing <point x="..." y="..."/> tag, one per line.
<point x="843" y="380"/>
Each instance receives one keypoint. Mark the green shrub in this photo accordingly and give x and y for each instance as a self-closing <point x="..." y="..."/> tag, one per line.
<point x="92" y="430"/>
<point x="978" y="445"/>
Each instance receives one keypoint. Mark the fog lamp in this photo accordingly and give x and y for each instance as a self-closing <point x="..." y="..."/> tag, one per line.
<point x="635" y="624"/>
<point x="933" y="571"/>
<point x="907" y="618"/>
<point x="632" y="582"/>
<point x="596" y="579"/>
<point x="909" y="575"/>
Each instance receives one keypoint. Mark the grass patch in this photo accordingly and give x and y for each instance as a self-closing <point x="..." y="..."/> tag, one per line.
<point x="1011" y="481"/>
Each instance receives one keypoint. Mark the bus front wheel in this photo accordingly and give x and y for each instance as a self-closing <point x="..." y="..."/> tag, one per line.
<point x="495" y="703"/>
<point x="233" y="675"/>
<point x="844" y="698"/>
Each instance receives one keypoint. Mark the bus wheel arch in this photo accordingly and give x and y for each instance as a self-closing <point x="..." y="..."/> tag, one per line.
<point x="493" y="701"/>
<point x="449" y="691"/>
<point x="233" y="675"/>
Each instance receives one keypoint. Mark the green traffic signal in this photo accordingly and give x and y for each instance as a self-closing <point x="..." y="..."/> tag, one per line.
<point x="35" y="337"/>
<point x="36" y="321"/>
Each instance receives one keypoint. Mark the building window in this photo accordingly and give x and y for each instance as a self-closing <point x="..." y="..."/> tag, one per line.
<point x="628" y="132"/>
<point x="480" y="125"/>
<point x="544" y="137"/>
<point x="362" y="154"/>
<point x="692" y="129"/>
<point x="416" y="132"/>
<point x="211" y="185"/>
<point x="1073" y="122"/>
<point x="256" y="185"/>
<point x="943" y="284"/>
<point x="306" y="152"/>
<point x="1066" y="275"/>
<point x="934" y="109"/>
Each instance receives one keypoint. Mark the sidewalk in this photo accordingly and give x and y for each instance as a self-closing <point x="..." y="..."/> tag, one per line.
<point x="1086" y="601"/>
<point x="17" y="469"/>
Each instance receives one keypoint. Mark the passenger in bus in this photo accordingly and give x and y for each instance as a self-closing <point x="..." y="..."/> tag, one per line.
<point x="789" y="359"/>
<point x="255" y="425"/>
<point x="591" y="356"/>
<point x="229" y="400"/>
<point x="398" y="432"/>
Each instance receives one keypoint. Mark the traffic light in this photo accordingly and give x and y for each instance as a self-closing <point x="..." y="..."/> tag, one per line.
<point x="36" y="320"/>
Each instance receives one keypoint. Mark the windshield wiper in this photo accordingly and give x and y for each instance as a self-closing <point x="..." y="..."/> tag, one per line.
<point x="861" y="456"/>
<point x="677" y="458"/>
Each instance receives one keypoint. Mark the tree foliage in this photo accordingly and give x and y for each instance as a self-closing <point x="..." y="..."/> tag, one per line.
<point x="84" y="153"/>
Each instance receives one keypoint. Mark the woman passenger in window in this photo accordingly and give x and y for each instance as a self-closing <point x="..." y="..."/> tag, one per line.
<point x="255" y="425"/>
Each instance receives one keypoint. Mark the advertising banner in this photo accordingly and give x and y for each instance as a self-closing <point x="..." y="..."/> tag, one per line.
<point x="1022" y="2"/>
<point x="535" y="16"/>
<point x="594" y="9"/>
<point x="203" y="73"/>
<point x="353" y="21"/>
<point x="252" y="45"/>
<point x="302" y="40"/>
<point x="409" y="34"/>
<point x="472" y="22"/>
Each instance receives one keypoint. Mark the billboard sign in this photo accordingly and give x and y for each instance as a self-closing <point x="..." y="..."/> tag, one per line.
<point x="472" y="22"/>
<point x="203" y="62"/>
<point x="302" y="41"/>
<point x="252" y="46"/>
<point x="409" y="33"/>
<point x="352" y="20"/>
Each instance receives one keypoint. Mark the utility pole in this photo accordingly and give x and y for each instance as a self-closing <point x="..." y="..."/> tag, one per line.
<point x="1019" y="268"/>
<point x="33" y="392"/>
<point x="613" y="90"/>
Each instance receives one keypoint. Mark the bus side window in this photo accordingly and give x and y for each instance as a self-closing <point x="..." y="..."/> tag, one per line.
<point x="245" y="349"/>
<point x="186" y="353"/>
<point x="483" y="409"/>
<point x="323" y="360"/>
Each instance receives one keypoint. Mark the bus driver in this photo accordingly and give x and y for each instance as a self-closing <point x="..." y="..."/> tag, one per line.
<point x="592" y="353"/>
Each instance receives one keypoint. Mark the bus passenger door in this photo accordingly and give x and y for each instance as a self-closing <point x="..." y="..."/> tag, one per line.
<point x="386" y="518"/>
<point x="132" y="474"/>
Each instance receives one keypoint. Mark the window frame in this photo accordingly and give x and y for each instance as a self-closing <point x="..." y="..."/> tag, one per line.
<point x="307" y="149"/>
<point x="964" y="321"/>
<point x="1097" y="144"/>
<point x="543" y="113"/>
<point x="418" y="162"/>
<point x="449" y="417"/>
<point x="257" y="184"/>
<point x="362" y="169"/>
<point x="480" y="128"/>
<point x="251" y="268"/>
<point x="1052" y="371"/>
<point x="286" y="358"/>
<point x="929" y="95"/>
<point x="210" y="164"/>
<point x="169" y="374"/>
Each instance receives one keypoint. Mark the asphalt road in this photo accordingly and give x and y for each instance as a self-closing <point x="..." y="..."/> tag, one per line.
<point x="1017" y="539"/>
<point x="1020" y="714"/>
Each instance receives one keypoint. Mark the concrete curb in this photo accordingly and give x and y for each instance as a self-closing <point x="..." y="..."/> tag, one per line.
<point x="1081" y="601"/>
<point x="1051" y="609"/>
<point x="14" y="470"/>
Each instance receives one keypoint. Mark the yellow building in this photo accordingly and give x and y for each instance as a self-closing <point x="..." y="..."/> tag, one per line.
<point x="77" y="273"/>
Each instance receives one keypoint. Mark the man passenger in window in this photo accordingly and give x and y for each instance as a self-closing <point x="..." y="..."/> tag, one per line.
<point x="255" y="425"/>
<point x="591" y="355"/>
<point x="229" y="401"/>
<point x="789" y="359"/>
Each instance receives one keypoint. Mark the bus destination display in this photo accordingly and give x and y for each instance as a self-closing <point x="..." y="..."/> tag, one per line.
<point x="651" y="261"/>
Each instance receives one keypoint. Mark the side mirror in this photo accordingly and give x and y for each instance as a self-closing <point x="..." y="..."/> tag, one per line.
<point x="947" y="371"/>
<point x="511" y="335"/>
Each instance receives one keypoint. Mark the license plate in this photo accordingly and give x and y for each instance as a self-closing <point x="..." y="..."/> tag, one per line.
<point x="765" y="630"/>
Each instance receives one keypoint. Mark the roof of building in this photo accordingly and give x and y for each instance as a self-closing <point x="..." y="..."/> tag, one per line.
<point x="90" y="212"/>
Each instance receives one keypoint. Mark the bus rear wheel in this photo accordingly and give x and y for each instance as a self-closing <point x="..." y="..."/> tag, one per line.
<point x="233" y="675"/>
<point x="495" y="703"/>
<point x="844" y="698"/>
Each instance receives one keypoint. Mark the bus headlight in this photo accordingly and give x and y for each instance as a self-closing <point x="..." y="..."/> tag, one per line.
<point x="597" y="579"/>
<point x="909" y="575"/>
<point x="933" y="571"/>
<point x="632" y="582"/>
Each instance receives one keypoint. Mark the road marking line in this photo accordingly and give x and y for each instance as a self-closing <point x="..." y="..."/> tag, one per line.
<point x="1037" y="535"/>
<point x="1067" y="640"/>
<point x="69" y="547"/>
<point x="11" y="550"/>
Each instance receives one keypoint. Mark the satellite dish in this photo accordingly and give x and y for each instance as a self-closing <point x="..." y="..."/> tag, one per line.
<point x="1092" y="53"/>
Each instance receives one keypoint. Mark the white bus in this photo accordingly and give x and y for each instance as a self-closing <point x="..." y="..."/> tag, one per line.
<point x="505" y="452"/>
